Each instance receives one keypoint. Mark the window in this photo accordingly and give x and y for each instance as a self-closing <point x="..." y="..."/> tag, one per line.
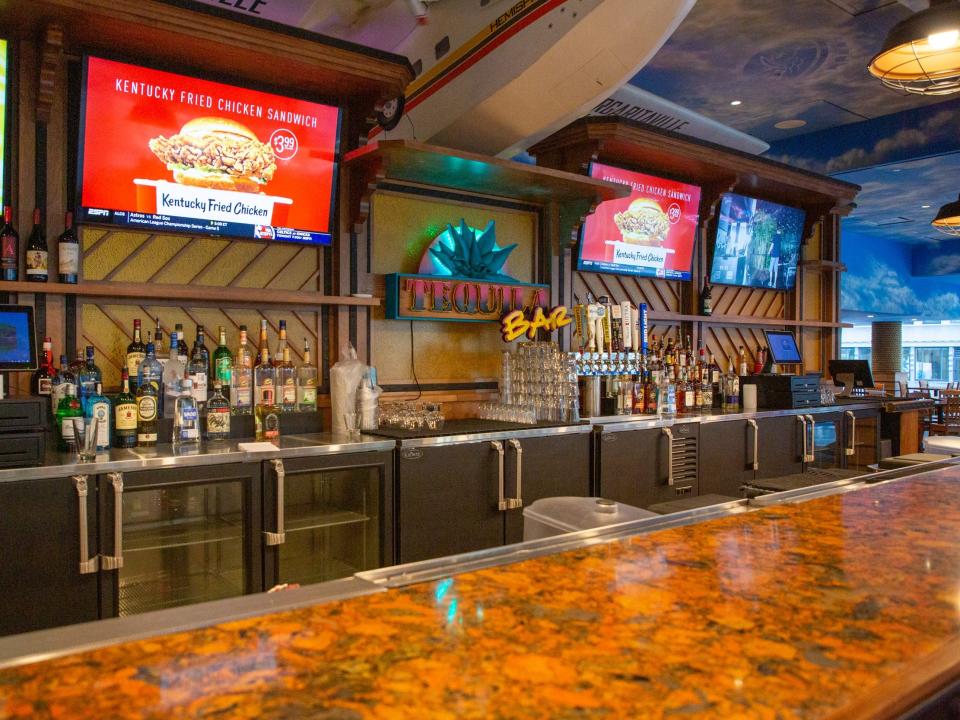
<point x="417" y="68"/>
<point x="933" y="364"/>
<point x="443" y="47"/>
<point x="848" y="353"/>
<point x="856" y="353"/>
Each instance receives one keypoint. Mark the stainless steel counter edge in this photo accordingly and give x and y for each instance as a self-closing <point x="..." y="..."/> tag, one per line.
<point x="496" y="435"/>
<point x="164" y="456"/>
<point x="56" y="642"/>
<point x="641" y="422"/>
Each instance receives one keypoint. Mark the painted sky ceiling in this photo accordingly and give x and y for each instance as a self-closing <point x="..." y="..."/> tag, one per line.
<point x="784" y="59"/>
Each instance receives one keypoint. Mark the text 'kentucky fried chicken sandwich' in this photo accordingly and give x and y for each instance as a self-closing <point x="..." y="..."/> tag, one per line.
<point x="217" y="153"/>
<point x="643" y="223"/>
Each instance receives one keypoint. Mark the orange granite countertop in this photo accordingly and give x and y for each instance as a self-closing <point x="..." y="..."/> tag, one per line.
<point x="791" y="611"/>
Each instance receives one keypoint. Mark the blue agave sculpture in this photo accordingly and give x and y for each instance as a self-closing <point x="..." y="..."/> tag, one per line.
<point x="473" y="255"/>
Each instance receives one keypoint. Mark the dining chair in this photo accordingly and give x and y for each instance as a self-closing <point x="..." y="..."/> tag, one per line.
<point x="950" y="422"/>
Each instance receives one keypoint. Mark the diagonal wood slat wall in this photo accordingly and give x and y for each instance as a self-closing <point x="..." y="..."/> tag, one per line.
<point x="121" y="256"/>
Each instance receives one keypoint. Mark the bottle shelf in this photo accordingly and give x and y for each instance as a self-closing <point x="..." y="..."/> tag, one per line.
<point x="198" y="293"/>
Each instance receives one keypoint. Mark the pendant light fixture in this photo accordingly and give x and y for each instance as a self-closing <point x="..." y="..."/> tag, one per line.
<point x="947" y="220"/>
<point x="921" y="54"/>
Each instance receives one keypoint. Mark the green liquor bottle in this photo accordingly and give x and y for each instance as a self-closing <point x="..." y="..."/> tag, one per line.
<point x="125" y="415"/>
<point x="68" y="409"/>
<point x="223" y="364"/>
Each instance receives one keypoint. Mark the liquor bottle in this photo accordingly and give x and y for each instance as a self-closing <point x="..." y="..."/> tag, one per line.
<point x="186" y="415"/>
<point x="651" y="395"/>
<point x="266" y="411"/>
<point x="63" y="381"/>
<point x="68" y="409"/>
<point x="125" y="415"/>
<point x="183" y="352"/>
<point x="75" y="366"/>
<point x="287" y="382"/>
<point x="90" y="376"/>
<point x="241" y="389"/>
<point x="732" y="388"/>
<point x="223" y="363"/>
<point x="263" y="343"/>
<point x="136" y="350"/>
<point x="697" y="382"/>
<point x="706" y="299"/>
<point x="218" y="414"/>
<point x="743" y="362"/>
<point x="173" y="373"/>
<point x="689" y="393"/>
<point x="706" y="393"/>
<point x="35" y="260"/>
<point x="197" y="370"/>
<point x="98" y="408"/>
<point x="306" y="382"/>
<point x="148" y="400"/>
<point x="68" y="252"/>
<point x="158" y="346"/>
<point x="9" y="247"/>
<point x="150" y="373"/>
<point x="758" y="361"/>
<point x="200" y="345"/>
<point x="43" y="376"/>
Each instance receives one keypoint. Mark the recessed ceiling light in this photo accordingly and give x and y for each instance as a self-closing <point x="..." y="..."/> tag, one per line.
<point x="735" y="102"/>
<point x="869" y="316"/>
<point x="790" y="124"/>
<point x="896" y="169"/>
<point x="924" y="206"/>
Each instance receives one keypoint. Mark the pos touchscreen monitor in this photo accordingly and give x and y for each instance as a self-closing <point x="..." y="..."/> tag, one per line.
<point x="783" y="347"/>
<point x="18" y="342"/>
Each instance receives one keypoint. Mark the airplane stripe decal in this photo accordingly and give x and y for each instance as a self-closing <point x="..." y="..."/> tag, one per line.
<point x="469" y="55"/>
<point x="484" y="48"/>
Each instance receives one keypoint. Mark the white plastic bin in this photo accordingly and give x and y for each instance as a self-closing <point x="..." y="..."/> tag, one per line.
<point x="558" y="515"/>
<point x="940" y="444"/>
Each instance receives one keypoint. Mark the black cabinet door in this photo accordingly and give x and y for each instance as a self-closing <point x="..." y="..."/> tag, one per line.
<point x="552" y="466"/>
<point x="187" y="535"/>
<point x="337" y="517"/>
<point x="40" y="573"/>
<point x="726" y="456"/>
<point x="448" y="500"/>
<point x="633" y="466"/>
<point x="781" y="446"/>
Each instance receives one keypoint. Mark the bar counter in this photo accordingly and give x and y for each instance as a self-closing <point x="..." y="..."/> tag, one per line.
<point x="845" y="605"/>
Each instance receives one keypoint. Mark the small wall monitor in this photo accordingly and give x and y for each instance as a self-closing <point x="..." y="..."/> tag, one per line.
<point x="18" y="341"/>
<point x="856" y="370"/>
<point x="783" y="347"/>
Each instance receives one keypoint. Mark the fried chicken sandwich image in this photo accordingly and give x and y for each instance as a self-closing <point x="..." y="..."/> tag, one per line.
<point x="643" y="223"/>
<point x="217" y="153"/>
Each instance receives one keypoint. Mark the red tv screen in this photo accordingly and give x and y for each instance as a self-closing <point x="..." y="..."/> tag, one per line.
<point x="651" y="232"/>
<point x="175" y="153"/>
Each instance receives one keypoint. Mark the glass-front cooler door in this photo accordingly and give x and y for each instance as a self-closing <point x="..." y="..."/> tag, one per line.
<point x="334" y="521"/>
<point x="826" y="431"/>
<point x="186" y="537"/>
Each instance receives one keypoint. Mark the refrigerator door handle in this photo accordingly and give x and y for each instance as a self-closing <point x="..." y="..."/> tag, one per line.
<point x="803" y="422"/>
<point x="280" y="536"/>
<point x="517" y="502"/>
<point x="812" y="456"/>
<point x="87" y="564"/>
<point x="115" y="561"/>
<point x="756" y="444"/>
<point x="852" y="447"/>
<point x="502" y="502"/>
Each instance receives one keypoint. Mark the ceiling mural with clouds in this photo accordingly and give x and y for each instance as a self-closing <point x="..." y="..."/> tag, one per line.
<point x="799" y="60"/>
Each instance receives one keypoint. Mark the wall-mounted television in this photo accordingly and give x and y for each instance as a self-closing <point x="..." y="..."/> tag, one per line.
<point x="757" y="244"/>
<point x="170" y="152"/>
<point x="651" y="232"/>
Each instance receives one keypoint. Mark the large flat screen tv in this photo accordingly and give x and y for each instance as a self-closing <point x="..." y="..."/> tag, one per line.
<point x="169" y="152"/>
<point x="651" y="232"/>
<point x="758" y="243"/>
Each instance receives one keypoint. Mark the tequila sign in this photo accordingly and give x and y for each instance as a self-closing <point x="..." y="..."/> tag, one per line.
<point x="468" y="282"/>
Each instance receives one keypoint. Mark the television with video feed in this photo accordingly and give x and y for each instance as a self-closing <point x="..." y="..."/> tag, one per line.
<point x="18" y="340"/>
<point x="757" y="243"/>
<point x="170" y="152"/>
<point x="649" y="233"/>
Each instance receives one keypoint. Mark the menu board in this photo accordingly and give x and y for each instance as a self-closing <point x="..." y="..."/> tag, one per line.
<point x="176" y="153"/>
<point x="651" y="232"/>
